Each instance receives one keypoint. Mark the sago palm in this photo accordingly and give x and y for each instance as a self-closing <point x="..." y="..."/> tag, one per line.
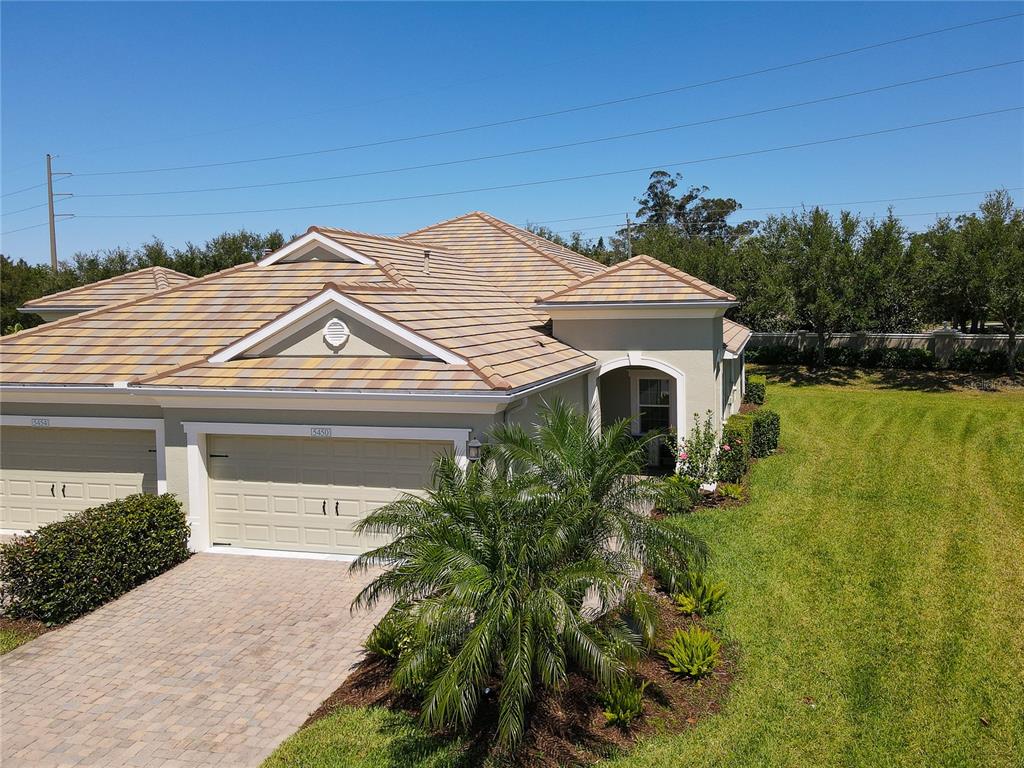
<point x="510" y="575"/>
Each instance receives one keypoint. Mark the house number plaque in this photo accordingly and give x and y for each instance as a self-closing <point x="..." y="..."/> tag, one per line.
<point x="319" y="431"/>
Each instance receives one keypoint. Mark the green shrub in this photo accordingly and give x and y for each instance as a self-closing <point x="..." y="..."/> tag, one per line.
<point x="70" y="567"/>
<point x="973" y="360"/>
<point x="624" y="701"/>
<point x="676" y="494"/>
<point x="391" y="634"/>
<point x="731" y="490"/>
<point x="699" y="595"/>
<point x="692" y="652"/>
<point x="764" y="433"/>
<point x="774" y="354"/>
<point x="734" y="453"/>
<point x="756" y="387"/>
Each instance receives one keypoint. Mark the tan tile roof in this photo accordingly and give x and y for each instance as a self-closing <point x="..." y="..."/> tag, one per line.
<point x="524" y="265"/>
<point x="325" y="373"/>
<point x="132" y="285"/>
<point x="499" y="337"/>
<point x="639" y="279"/>
<point x="734" y="335"/>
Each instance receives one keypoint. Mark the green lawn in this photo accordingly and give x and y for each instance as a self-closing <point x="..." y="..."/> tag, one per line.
<point x="876" y="591"/>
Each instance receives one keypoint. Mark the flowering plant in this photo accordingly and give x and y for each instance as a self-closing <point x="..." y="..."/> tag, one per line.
<point x="698" y="454"/>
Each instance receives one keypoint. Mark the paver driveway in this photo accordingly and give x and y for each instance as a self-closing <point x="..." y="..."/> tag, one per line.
<point x="213" y="663"/>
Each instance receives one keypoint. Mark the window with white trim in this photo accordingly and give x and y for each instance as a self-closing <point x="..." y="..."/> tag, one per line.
<point x="654" y="404"/>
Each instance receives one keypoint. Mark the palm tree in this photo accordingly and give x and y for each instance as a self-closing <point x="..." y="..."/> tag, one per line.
<point x="520" y="567"/>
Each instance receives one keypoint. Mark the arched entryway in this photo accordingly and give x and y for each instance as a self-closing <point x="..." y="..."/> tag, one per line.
<point x="649" y="392"/>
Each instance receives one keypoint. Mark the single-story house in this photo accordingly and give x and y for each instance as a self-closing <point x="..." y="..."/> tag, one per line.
<point x="282" y="400"/>
<point x="132" y="285"/>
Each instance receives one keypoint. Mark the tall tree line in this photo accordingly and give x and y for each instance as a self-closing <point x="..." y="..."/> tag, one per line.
<point x="828" y="273"/>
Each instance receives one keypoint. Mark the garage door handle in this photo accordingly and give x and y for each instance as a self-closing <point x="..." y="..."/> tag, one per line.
<point x="52" y="487"/>
<point x="324" y="508"/>
<point x="63" y="490"/>
<point x="335" y="509"/>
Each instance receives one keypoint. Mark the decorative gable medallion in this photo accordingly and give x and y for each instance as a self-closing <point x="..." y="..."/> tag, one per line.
<point x="336" y="333"/>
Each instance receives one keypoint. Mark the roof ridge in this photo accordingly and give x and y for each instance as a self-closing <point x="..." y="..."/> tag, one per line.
<point x="440" y="223"/>
<point x="127" y="302"/>
<point x="678" y="274"/>
<point x="77" y="288"/>
<point x="327" y="230"/>
<point x="587" y="280"/>
<point x="498" y="224"/>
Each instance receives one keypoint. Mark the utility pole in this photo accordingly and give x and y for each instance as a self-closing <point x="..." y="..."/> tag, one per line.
<point x="49" y="199"/>
<point x="53" y="218"/>
<point x="629" y="238"/>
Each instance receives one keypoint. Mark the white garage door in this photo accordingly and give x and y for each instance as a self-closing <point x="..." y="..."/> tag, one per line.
<point x="47" y="473"/>
<point x="307" y="494"/>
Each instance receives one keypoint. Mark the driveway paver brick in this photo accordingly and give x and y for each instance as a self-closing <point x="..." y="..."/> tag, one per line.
<point x="212" y="663"/>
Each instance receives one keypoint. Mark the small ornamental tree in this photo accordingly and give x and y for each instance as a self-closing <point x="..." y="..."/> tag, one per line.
<point x="698" y="453"/>
<point x="512" y="572"/>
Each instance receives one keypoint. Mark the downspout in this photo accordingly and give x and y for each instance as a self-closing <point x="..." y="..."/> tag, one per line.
<point x="518" y="405"/>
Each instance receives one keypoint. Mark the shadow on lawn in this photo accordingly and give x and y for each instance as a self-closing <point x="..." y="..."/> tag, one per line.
<point x="905" y="381"/>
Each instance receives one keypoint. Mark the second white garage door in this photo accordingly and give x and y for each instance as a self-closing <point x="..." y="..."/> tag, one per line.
<point x="305" y="494"/>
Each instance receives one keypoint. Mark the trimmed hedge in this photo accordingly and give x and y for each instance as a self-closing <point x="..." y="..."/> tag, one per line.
<point x="733" y="462"/>
<point x="72" y="566"/>
<point x="756" y="388"/>
<point x="764" y="439"/>
<point x="914" y="359"/>
<point x="976" y="361"/>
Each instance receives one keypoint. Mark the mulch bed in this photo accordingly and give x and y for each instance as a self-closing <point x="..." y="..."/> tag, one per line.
<point x="24" y="626"/>
<point x="568" y="726"/>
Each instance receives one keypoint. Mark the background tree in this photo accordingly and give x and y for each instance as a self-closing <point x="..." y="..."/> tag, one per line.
<point x="1002" y="225"/>
<point x="819" y="251"/>
<point x="888" y="297"/>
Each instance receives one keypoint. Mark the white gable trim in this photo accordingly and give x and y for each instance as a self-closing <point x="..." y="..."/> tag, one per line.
<point x="389" y="328"/>
<point x="309" y="242"/>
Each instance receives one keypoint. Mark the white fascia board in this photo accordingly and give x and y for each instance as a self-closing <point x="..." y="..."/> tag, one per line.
<point x="637" y="304"/>
<point x="634" y="311"/>
<point x="226" y="397"/>
<point x="388" y="327"/>
<point x="312" y="240"/>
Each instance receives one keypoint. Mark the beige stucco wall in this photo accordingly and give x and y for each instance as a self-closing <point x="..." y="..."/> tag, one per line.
<point x="309" y="340"/>
<point x="691" y="344"/>
<point x="525" y="411"/>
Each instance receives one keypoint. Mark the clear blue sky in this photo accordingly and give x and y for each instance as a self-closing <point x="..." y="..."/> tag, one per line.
<point x="121" y="86"/>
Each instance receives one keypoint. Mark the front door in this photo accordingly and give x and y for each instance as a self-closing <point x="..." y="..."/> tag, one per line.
<point x="653" y="401"/>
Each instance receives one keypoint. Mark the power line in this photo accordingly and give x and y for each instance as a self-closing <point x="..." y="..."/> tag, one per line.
<point x="22" y="210"/>
<point x="43" y="224"/>
<point x="796" y="205"/>
<point x="566" y="145"/>
<point x="564" y="111"/>
<point x="619" y="227"/>
<point x="347" y="107"/>
<point x="23" y="189"/>
<point x="580" y="177"/>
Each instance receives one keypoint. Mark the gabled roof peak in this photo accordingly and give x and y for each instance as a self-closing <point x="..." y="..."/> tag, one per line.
<point x="641" y="280"/>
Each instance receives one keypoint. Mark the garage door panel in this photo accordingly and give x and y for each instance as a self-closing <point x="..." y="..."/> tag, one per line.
<point x="299" y="479"/>
<point x="48" y="473"/>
